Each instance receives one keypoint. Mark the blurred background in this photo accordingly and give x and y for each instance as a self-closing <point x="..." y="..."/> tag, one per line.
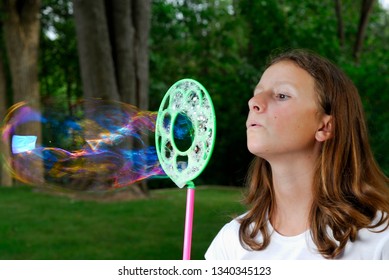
<point x="56" y="53"/>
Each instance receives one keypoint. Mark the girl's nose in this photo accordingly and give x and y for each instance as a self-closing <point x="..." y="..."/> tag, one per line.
<point x="256" y="104"/>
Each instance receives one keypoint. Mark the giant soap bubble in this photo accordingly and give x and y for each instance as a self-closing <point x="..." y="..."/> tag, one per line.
<point x="103" y="145"/>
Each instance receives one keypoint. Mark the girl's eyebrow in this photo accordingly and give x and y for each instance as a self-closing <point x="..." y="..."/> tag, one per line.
<point x="259" y="87"/>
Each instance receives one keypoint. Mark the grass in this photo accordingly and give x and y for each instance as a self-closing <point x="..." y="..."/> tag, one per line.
<point x="40" y="226"/>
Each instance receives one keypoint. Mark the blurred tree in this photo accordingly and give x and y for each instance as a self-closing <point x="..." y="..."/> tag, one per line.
<point x="112" y="39"/>
<point x="366" y="8"/>
<point x="5" y="176"/>
<point x="339" y="17"/>
<point x="21" y="35"/>
<point x="95" y="50"/>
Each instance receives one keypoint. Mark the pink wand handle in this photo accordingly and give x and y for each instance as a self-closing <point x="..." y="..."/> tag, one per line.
<point x="190" y="195"/>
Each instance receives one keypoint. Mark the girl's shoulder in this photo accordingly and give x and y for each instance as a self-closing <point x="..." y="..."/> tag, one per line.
<point x="231" y="229"/>
<point x="226" y="241"/>
<point x="380" y="224"/>
<point x="372" y="242"/>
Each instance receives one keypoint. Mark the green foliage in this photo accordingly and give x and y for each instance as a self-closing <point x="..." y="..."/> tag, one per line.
<point x="60" y="79"/>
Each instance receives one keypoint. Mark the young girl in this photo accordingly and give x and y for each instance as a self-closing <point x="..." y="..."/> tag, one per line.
<point x="314" y="188"/>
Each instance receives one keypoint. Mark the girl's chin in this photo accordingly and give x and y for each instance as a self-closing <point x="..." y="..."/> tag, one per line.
<point x="257" y="151"/>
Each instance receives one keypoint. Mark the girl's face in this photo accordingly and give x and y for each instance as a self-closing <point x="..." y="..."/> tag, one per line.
<point x="284" y="114"/>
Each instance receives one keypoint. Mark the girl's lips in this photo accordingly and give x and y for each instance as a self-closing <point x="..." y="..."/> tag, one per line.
<point x="253" y="124"/>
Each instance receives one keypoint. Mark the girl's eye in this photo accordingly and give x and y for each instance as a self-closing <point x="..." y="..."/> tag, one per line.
<point x="282" y="96"/>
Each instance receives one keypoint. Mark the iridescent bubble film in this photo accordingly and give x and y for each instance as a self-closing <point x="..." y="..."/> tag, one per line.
<point x="101" y="145"/>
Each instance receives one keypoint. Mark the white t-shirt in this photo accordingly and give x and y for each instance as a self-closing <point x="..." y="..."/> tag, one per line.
<point x="368" y="245"/>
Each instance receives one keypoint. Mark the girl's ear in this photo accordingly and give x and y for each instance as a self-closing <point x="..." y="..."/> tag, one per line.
<point x="325" y="130"/>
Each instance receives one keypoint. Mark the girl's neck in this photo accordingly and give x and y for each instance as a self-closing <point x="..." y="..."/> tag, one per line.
<point x="292" y="183"/>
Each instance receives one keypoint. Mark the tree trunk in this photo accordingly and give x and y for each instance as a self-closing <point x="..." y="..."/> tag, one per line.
<point x="5" y="175"/>
<point x="338" y="11"/>
<point x="130" y="25"/>
<point x="141" y="13"/>
<point x="123" y="36"/>
<point x="94" y="48"/>
<point x="21" y="32"/>
<point x="366" y="8"/>
<point x="113" y="49"/>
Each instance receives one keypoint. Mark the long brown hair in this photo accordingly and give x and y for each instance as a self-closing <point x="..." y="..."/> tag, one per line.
<point x="349" y="187"/>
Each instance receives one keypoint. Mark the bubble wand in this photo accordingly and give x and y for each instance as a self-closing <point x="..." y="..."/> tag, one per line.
<point x="185" y="136"/>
